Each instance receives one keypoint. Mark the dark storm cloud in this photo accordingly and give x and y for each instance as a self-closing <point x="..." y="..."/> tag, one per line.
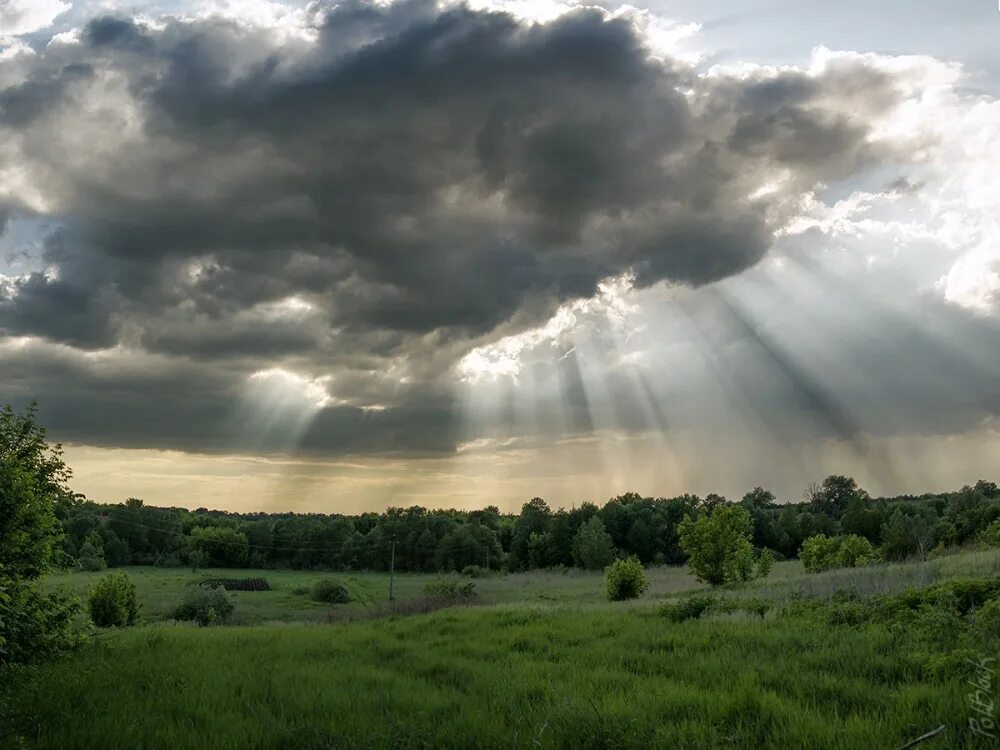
<point x="418" y="177"/>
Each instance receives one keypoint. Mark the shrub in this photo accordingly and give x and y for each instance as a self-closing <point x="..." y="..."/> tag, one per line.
<point x="855" y="552"/>
<point x="444" y="589"/>
<point x="92" y="554"/>
<point x="819" y="553"/>
<point x="765" y="561"/>
<point x="113" y="602"/>
<point x="197" y="558"/>
<point x="472" y="571"/>
<point x="330" y="591"/>
<point x="625" y="579"/>
<point x="717" y="544"/>
<point x="690" y="608"/>
<point x="991" y="535"/>
<point x="987" y="619"/>
<point x="205" y="605"/>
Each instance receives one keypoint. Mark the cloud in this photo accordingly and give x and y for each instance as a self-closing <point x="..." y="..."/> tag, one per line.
<point x="364" y="201"/>
<point x="19" y="17"/>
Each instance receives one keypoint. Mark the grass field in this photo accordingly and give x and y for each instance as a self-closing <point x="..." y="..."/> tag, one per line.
<point x="544" y="662"/>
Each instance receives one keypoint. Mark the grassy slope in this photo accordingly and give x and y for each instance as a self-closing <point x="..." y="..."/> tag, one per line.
<point x="533" y="673"/>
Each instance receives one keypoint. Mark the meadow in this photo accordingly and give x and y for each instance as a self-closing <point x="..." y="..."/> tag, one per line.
<point x="542" y="660"/>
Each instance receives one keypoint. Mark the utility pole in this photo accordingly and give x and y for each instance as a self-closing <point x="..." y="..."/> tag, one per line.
<point x="392" y="568"/>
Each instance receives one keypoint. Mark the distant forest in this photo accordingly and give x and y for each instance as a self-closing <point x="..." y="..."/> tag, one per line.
<point x="132" y="533"/>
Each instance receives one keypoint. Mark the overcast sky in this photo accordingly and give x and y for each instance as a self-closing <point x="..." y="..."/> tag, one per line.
<point x="338" y="256"/>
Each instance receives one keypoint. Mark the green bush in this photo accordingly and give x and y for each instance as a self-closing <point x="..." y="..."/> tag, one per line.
<point x="625" y="579"/>
<point x="991" y="535"/>
<point x="765" y="561"/>
<point x="92" y="553"/>
<point x="855" y="552"/>
<point x="197" y="559"/>
<point x="987" y="619"/>
<point x="472" y="571"/>
<point x="717" y="544"/>
<point x="113" y="602"/>
<point x="205" y="605"/>
<point x="689" y="608"/>
<point x="819" y="553"/>
<point x="450" y="591"/>
<point x="330" y="591"/>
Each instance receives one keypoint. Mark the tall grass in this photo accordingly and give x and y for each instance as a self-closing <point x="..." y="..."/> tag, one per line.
<point x="492" y="677"/>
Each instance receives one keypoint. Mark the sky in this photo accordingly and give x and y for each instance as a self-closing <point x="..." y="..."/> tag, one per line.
<point x="339" y="256"/>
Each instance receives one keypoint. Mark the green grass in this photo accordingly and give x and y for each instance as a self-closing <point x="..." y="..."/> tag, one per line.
<point x="545" y="662"/>
<point x="162" y="589"/>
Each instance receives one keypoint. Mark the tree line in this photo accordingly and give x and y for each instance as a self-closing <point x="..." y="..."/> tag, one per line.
<point x="587" y="536"/>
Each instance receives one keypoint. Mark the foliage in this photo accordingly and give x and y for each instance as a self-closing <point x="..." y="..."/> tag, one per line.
<point x="472" y="571"/>
<point x="197" y="559"/>
<point x="330" y="591"/>
<point x="537" y="537"/>
<point x="991" y="536"/>
<point x="625" y="578"/>
<point x="92" y="554"/>
<point x="113" y="602"/>
<point x="450" y="590"/>
<point x="33" y="486"/>
<point x="718" y="546"/>
<point x="222" y="545"/>
<point x="593" y="548"/>
<point x="688" y="608"/>
<point x="206" y="605"/>
<point x="765" y="562"/>
<point x="819" y="553"/>
<point x="855" y="552"/>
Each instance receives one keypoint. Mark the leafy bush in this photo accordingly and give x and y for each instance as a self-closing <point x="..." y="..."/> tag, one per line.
<point x="205" y="605"/>
<point x="819" y="553"/>
<point x="855" y="552"/>
<point x="449" y="590"/>
<point x="765" y="561"/>
<point x="33" y="481"/>
<point x="113" y="602"/>
<point x="197" y="559"/>
<point x="625" y="579"/>
<point x="472" y="571"/>
<point x="991" y="535"/>
<point x="91" y="556"/>
<point x="330" y="591"/>
<point x="987" y="619"/>
<point x="717" y="544"/>
<point x="689" y="608"/>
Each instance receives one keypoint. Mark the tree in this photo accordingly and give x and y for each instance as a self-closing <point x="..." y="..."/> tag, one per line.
<point x="534" y="519"/>
<point x="835" y="494"/>
<point x="224" y="546"/>
<point x="592" y="545"/>
<point x="92" y="553"/>
<point x="758" y="497"/>
<point x="905" y="534"/>
<point x="717" y="544"/>
<point x="33" y="481"/>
